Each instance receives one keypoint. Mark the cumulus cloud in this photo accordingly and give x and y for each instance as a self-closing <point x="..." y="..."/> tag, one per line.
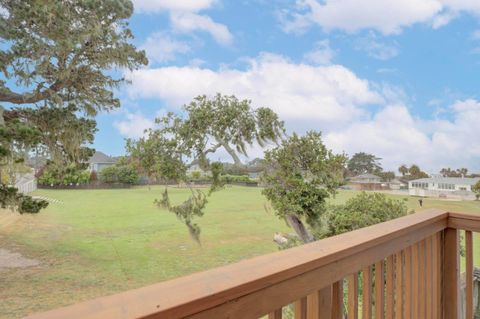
<point x="187" y="22"/>
<point x="133" y="125"/>
<point x="329" y="98"/>
<point x="387" y="16"/>
<point x="154" y="6"/>
<point x="396" y="136"/>
<point x="185" y="18"/>
<point x="321" y="54"/>
<point x="325" y="94"/>
<point x="161" y="47"/>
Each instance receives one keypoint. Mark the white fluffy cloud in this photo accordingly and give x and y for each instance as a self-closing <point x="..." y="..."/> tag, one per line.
<point x="321" y="54"/>
<point x="153" y="6"/>
<point x="187" y="22"/>
<point x="396" y="136"/>
<point x="133" y="125"/>
<point x="161" y="47"/>
<point x="328" y="98"/>
<point x="325" y="94"/>
<point x="386" y="16"/>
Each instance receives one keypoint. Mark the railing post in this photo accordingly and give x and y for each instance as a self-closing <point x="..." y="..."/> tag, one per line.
<point x="451" y="274"/>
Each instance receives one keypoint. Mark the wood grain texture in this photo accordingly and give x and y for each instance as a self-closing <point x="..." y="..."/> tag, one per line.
<point x="353" y="296"/>
<point x="337" y="300"/>
<point x="300" y="308"/>
<point x="277" y="314"/>
<point x="469" y="275"/>
<point x="408" y="304"/>
<point x="379" y="290"/>
<point x="429" y="277"/>
<point x="415" y="282"/>
<point x="451" y="273"/>
<point x="389" y="286"/>
<point x="422" y="274"/>
<point x="367" y="293"/>
<point x="399" y="285"/>
<point x="437" y="275"/>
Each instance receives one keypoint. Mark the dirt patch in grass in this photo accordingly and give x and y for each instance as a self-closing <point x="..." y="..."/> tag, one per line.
<point x="9" y="259"/>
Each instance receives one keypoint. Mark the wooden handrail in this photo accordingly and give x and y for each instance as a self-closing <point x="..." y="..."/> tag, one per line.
<point x="262" y="285"/>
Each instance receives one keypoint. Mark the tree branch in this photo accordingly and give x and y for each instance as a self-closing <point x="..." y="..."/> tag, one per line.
<point x="6" y="95"/>
<point x="230" y="151"/>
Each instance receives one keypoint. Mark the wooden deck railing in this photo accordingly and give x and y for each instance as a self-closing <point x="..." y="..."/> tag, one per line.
<point x="404" y="268"/>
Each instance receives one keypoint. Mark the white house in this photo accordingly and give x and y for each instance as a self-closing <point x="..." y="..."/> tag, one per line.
<point x="99" y="161"/>
<point x="439" y="186"/>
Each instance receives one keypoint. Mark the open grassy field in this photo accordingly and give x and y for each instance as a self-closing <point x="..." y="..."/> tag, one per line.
<point x="97" y="242"/>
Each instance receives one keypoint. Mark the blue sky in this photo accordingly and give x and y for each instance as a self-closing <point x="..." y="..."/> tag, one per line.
<point x="399" y="79"/>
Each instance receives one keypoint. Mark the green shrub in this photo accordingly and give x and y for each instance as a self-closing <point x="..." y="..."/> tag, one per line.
<point x="119" y="174"/>
<point x="109" y="174"/>
<point x="57" y="175"/>
<point x="127" y="175"/>
<point x="236" y="179"/>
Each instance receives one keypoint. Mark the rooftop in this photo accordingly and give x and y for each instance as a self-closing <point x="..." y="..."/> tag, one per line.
<point x="100" y="157"/>
<point x="449" y="180"/>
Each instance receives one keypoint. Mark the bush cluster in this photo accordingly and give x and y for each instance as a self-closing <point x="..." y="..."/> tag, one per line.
<point x="57" y="175"/>
<point x="119" y="174"/>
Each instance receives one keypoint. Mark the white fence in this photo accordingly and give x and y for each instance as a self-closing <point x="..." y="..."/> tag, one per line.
<point x="27" y="186"/>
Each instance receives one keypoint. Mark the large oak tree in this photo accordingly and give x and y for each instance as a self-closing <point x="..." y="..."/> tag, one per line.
<point x="63" y="56"/>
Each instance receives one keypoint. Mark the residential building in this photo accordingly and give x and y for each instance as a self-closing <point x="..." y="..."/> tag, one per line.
<point x="367" y="182"/>
<point x="99" y="161"/>
<point x="439" y="186"/>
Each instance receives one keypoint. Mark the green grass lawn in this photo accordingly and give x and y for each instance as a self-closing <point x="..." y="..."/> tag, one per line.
<point x="98" y="242"/>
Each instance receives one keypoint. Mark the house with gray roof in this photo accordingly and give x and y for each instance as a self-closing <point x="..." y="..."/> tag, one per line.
<point x="367" y="182"/>
<point x="439" y="186"/>
<point x="99" y="161"/>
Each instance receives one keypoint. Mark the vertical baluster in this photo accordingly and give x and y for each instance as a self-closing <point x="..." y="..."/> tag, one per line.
<point x="437" y="275"/>
<point x="277" y="314"/>
<point x="379" y="290"/>
<point x="408" y="306"/>
<point x="422" y="274"/>
<point x="389" y="287"/>
<point x="319" y="304"/>
<point x="399" y="285"/>
<point x="469" y="274"/>
<point x="451" y="273"/>
<point x="353" y="296"/>
<point x="300" y="308"/>
<point x="337" y="300"/>
<point x="429" y="274"/>
<point x="415" y="282"/>
<point x="367" y="293"/>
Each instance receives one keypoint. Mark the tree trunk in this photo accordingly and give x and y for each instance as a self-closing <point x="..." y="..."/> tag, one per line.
<point x="230" y="151"/>
<point x="299" y="228"/>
